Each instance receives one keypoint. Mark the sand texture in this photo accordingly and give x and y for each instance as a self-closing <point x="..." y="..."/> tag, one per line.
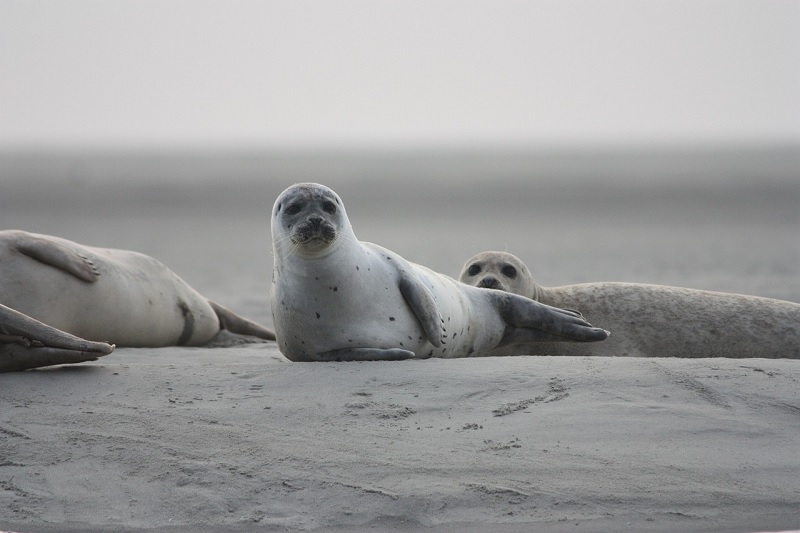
<point x="243" y="440"/>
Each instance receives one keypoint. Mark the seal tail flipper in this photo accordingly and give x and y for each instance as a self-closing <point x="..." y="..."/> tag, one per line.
<point x="421" y="301"/>
<point x="15" y="358"/>
<point x="235" y="324"/>
<point x="27" y="343"/>
<point x="537" y="322"/>
<point x="57" y="256"/>
<point x="14" y="323"/>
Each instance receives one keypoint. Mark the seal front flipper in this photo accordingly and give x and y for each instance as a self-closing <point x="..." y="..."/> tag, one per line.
<point x="365" y="354"/>
<point x="532" y="321"/>
<point x="424" y="306"/>
<point x="58" y="256"/>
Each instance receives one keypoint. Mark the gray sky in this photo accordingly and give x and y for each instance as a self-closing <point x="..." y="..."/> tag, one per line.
<point x="397" y="73"/>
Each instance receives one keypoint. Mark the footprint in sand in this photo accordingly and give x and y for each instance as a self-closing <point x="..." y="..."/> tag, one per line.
<point x="556" y="390"/>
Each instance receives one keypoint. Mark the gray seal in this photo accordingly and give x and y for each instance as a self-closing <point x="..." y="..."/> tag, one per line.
<point x="117" y="296"/>
<point x="337" y="299"/>
<point x="653" y="320"/>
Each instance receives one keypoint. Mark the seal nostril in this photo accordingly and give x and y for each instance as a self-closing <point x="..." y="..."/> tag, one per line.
<point x="488" y="283"/>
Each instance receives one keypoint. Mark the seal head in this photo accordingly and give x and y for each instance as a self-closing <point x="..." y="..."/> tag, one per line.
<point x="308" y="219"/>
<point x="501" y="271"/>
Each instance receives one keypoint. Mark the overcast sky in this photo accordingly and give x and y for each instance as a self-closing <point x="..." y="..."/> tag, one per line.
<point x="397" y="73"/>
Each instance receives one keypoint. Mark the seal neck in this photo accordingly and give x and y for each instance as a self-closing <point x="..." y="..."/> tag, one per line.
<point x="302" y="263"/>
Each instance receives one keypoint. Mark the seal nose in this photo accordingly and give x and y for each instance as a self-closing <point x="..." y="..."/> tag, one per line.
<point x="315" y="221"/>
<point x="489" y="282"/>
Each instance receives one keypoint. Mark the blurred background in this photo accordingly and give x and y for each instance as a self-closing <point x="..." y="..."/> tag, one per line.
<point x="398" y="74"/>
<point x="638" y="141"/>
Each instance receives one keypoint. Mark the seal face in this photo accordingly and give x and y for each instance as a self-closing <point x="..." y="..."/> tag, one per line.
<point x="501" y="271"/>
<point x="335" y="298"/>
<point x="653" y="320"/>
<point x="311" y="219"/>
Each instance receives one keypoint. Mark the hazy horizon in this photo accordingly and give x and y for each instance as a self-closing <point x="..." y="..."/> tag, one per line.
<point x="408" y="74"/>
<point x="687" y="165"/>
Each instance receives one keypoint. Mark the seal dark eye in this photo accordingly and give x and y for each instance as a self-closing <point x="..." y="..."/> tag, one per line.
<point x="474" y="270"/>
<point x="293" y="209"/>
<point x="509" y="271"/>
<point x="329" y="207"/>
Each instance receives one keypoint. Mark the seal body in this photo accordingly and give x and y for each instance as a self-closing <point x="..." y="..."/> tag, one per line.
<point x="335" y="298"/>
<point x="653" y="320"/>
<point x="118" y="296"/>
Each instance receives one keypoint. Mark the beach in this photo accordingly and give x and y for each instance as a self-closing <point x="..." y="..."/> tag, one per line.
<point x="241" y="439"/>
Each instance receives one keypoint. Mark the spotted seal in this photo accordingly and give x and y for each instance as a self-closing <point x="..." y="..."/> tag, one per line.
<point x="653" y="320"/>
<point x="336" y="298"/>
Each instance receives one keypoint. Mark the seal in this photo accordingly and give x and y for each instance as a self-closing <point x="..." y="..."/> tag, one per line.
<point x="27" y="343"/>
<point x="117" y="296"/>
<point x="335" y="298"/>
<point x="653" y="320"/>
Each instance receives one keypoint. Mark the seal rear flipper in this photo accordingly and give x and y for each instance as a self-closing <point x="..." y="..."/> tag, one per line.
<point x="17" y="357"/>
<point x="538" y="322"/>
<point x="424" y="306"/>
<point x="27" y="343"/>
<point x="365" y="354"/>
<point x="235" y="324"/>
<point x="58" y="256"/>
<point x="16" y="324"/>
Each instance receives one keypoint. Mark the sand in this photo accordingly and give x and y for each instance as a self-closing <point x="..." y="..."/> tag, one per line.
<point x="245" y="440"/>
<point x="240" y="439"/>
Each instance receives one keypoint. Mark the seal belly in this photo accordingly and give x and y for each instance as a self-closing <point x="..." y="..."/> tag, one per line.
<point x="462" y="322"/>
<point x="340" y="314"/>
<point x="135" y="301"/>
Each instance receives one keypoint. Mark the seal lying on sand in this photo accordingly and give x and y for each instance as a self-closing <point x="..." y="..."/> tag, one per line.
<point x="653" y="320"/>
<point x="27" y="343"/>
<point x="335" y="298"/>
<point x="117" y="296"/>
